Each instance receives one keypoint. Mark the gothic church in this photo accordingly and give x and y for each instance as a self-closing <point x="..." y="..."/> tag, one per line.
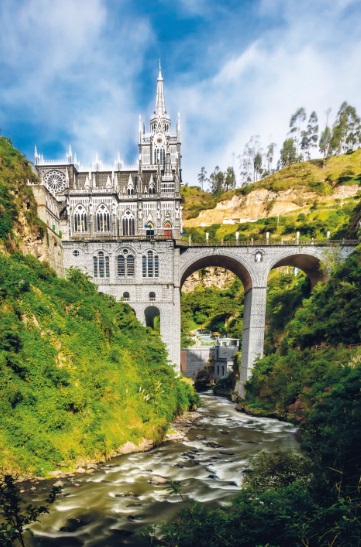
<point x="120" y="224"/>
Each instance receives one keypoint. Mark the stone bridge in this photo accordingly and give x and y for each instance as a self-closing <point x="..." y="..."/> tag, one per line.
<point x="252" y="264"/>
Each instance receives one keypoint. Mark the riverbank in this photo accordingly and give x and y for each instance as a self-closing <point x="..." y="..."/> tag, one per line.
<point x="207" y="452"/>
<point x="177" y="432"/>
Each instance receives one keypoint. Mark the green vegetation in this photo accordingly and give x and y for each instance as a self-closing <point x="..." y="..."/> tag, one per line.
<point x="313" y="223"/>
<point x="16" y="198"/>
<point x="312" y="377"/>
<point x="306" y="177"/>
<point x="195" y="200"/>
<point x="15" y="515"/>
<point x="79" y="375"/>
<point x="214" y="309"/>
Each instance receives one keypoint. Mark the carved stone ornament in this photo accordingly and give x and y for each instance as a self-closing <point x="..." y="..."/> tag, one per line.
<point x="55" y="180"/>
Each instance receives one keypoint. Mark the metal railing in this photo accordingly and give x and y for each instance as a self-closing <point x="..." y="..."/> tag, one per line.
<point x="269" y="243"/>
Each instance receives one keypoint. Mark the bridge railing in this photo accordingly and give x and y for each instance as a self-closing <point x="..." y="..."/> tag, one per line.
<point x="268" y="242"/>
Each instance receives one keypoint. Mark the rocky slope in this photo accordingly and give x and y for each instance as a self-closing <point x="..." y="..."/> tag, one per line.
<point x="263" y="203"/>
<point x="297" y="186"/>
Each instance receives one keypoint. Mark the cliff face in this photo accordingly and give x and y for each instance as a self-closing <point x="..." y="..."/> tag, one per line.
<point x="263" y="203"/>
<point x="209" y="277"/>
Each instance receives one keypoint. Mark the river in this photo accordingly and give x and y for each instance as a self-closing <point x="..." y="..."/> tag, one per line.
<point x="110" y="506"/>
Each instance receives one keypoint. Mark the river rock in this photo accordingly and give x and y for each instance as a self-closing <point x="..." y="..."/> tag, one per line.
<point x="214" y="444"/>
<point x="158" y="480"/>
<point x="121" y="532"/>
<point x="73" y="524"/>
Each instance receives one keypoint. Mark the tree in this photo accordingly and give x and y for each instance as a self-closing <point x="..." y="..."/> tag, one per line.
<point x="230" y="178"/>
<point x="257" y="166"/>
<point x="324" y="144"/>
<point x="217" y="181"/>
<point x="309" y="137"/>
<point x="202" y="178"/>
<point x="16" y="517"/>
<point x="346" y="132"/>
<point x="270" y="155"/>
<point x="249" y="168"/>
<point x="295" y="124"/>
<point x="288" y="153"/>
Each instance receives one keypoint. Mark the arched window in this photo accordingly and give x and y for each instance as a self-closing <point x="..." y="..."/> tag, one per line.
<point x="149" y="229"/>
<point x="103" y="219"/>
<point x="128" y="224"/>
<point x="101" y="265"/>
<point x="168" y="230"/>
<point x="125" y="264"/>
<point x="152" y="296"/>
<point x="126" y="296"/>
<point x="80" y="219"/>
<point x="150" y="264"/>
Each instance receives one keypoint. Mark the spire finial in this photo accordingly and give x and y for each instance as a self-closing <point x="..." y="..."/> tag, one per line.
<point x="160" y="102"/>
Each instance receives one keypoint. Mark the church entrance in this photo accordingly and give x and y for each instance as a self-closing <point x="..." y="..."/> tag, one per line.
<point x="168" y="230"/>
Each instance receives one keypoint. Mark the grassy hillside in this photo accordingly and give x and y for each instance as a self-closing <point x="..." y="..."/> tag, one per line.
<point x="308" y="176"/>
<point x="305" y="196"/>
<point x="79" y="376"/>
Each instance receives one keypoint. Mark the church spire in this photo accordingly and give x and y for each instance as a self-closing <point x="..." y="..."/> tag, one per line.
<point x="159" y="101"/>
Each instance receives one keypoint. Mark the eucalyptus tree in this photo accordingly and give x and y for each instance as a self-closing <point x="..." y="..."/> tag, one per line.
<point x="217" y="181"/>
<point x="202" y="177"/>
<point x="288" y="153"/>
<point x="346" y="131"/>
<point x="309" y="136"/>
<point x="251" y="160"/>
<point x="229" y="179"/>
<point x="325" y="144"/>
<point x="270" y="155"/>
<point x="295" y="125"/>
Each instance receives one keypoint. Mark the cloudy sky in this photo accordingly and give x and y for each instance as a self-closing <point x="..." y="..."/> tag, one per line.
<point x="80" y="72"/>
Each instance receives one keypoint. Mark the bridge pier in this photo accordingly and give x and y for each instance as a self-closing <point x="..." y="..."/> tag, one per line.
<point x="253" y="333"/>
<point x="170" y="327"/>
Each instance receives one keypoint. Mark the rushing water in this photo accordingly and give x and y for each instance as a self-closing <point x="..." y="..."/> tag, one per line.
<point x="109" y="507"/>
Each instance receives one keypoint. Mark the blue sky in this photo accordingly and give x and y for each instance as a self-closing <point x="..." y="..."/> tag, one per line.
<point x="80" y="72"/>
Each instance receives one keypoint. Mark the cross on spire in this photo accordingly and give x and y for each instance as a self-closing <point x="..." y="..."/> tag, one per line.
<point x="159" y="101"/>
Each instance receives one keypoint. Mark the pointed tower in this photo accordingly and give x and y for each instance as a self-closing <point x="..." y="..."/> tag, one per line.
<point x="160" y="121"/>
<point x="161" y="146"/>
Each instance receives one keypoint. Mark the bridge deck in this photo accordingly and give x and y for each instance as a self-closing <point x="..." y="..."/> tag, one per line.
<point x="270" y="243"/>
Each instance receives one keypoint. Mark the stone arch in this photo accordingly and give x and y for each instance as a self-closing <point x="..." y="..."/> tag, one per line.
<point x="150" y="313"/>
<point x="309" y="263"/>
<point x="203" y="260"/>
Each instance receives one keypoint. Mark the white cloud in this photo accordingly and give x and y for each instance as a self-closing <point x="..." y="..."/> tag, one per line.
<point x="71" y="73"/>
<point x="309" y="61"/>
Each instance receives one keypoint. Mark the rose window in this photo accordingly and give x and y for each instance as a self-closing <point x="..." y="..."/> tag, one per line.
<point x="55" y="180"/>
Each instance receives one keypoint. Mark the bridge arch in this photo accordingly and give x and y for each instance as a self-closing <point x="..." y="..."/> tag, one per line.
<point x="309" y="263"/>
<point x="203" y="259"/>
